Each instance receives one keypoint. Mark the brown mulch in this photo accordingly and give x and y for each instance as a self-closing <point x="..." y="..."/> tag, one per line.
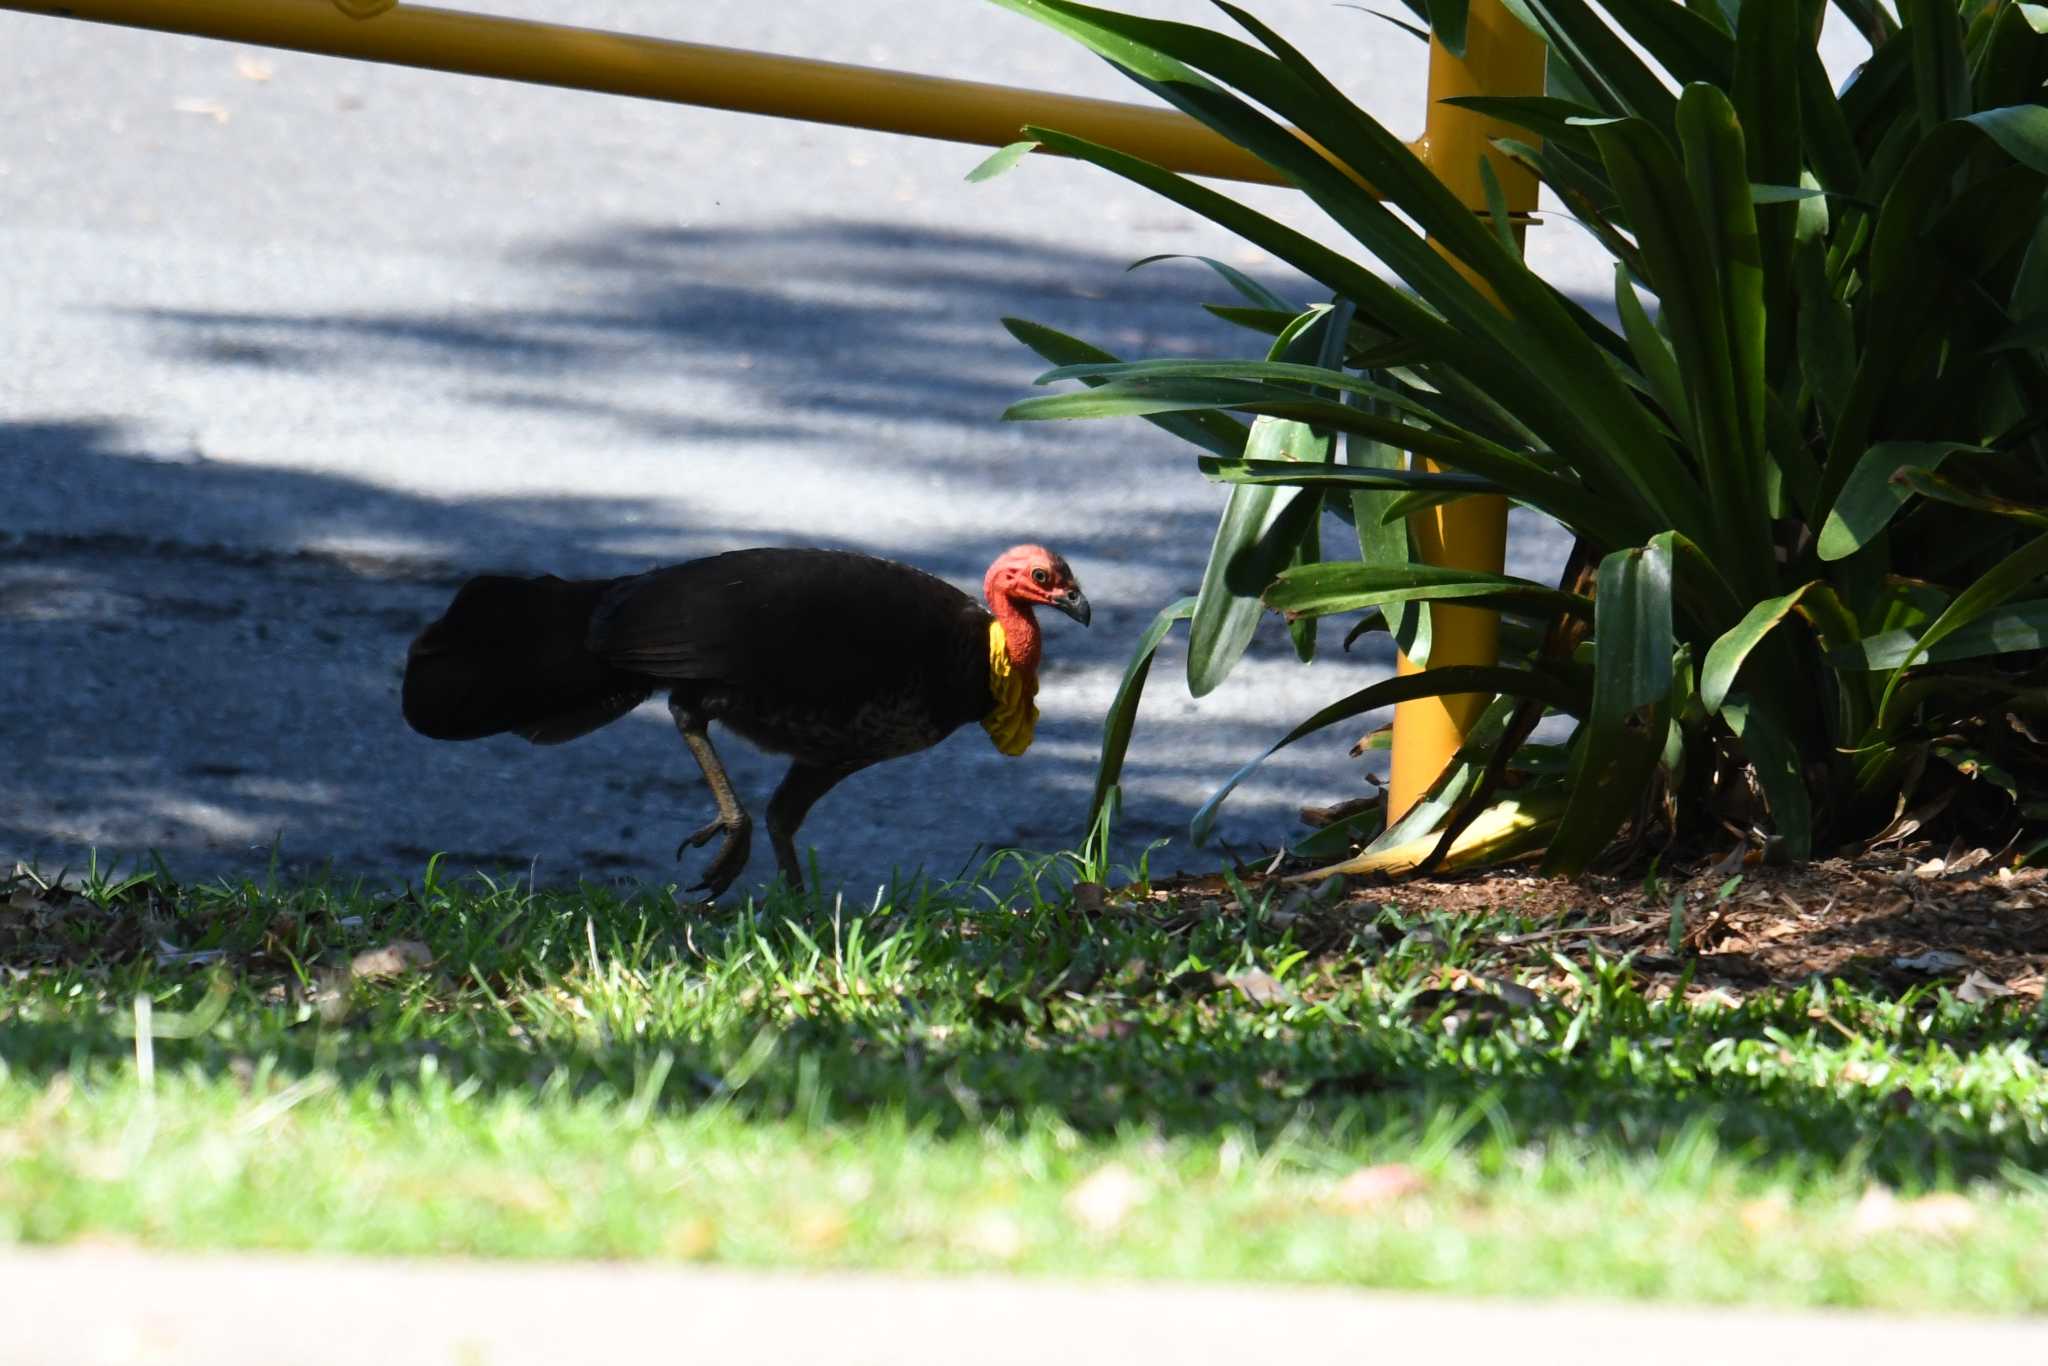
<point x="1887" y="919"/>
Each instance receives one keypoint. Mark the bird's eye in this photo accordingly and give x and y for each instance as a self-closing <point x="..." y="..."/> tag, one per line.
<point x="1040" y="577"/>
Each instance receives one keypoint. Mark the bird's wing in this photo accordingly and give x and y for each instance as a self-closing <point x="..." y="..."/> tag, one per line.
<point x="798" y="621"/>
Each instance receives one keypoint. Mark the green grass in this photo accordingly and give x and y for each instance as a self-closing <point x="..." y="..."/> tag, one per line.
<point x="928" y="1083"/>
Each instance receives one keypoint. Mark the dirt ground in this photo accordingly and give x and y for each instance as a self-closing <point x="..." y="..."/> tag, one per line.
<point x="1890" y="919"/>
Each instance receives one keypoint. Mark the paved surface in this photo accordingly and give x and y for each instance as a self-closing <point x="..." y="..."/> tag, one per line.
<point x="293" y="345"/>
<point x="97" y="1308"/>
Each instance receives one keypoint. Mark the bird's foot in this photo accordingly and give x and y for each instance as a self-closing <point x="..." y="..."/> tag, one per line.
<point x="698" y="838"/>
<point x="731" y="856"/>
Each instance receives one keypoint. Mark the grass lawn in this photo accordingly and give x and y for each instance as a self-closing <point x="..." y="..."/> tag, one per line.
<point x="1341" y="1091"/>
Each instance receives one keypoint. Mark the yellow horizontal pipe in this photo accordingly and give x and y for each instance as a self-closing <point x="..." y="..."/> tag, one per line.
<point x="683" y="73"/>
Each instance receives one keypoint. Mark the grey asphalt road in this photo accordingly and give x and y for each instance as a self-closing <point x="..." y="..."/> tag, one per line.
<point x="292" y="345"/>
<point x="94" y="1307"/>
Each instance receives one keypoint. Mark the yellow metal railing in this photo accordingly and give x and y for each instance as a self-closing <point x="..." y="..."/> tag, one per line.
<point x="1501" y="58"/>
<point x="682" y="73"/>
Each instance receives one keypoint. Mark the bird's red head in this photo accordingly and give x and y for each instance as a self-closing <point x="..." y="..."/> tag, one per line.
<point x="1025" y="576"/>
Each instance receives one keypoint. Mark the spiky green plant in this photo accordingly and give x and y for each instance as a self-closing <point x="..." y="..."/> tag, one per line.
<point x="1811" y="467"/>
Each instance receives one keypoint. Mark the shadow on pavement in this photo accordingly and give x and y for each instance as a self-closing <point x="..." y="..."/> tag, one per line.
<point x="208" y="649"/>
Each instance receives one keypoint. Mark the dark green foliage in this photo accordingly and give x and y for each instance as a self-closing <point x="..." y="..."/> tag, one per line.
<point x="1823" y="418"/>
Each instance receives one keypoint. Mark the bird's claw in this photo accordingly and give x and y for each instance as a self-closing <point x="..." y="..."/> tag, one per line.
<point x="728" y="861"/>
<point x="698" y="838"/>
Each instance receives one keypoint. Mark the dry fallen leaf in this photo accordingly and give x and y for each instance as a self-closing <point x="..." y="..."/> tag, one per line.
<point x="1101" y="1203"/>
<point x="1934" y="960"/>
<point x="1370" y="1188"/>
<point x="1090" y="897"/>
<point x="1978" y="987"/>
<point x="393" y="960"/>
<point x="1973" y="858"/>
<point x="1261" y="988"/>
<point x="168" y="953"/>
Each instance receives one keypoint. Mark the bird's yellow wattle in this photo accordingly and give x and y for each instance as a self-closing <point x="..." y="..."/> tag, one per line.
<point x="1015" y="716"/>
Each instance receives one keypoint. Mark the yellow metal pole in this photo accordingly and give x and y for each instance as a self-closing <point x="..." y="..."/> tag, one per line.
<point x="683" y="73"/>
<point x="1501" y="58"/>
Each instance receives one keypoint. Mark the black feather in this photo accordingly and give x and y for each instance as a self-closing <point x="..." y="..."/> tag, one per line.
<point x="508" y="655"/>
<point x="822" y="623"/>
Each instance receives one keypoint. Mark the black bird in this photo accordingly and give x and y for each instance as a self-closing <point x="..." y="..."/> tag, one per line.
<point x="836" y="659"/>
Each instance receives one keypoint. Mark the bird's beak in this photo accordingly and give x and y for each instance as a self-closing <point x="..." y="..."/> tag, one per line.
<point x="1074" y="604"/>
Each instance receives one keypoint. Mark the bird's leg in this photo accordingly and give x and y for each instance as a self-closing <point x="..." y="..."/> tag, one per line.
<point x="801" y="787"/>
<point x="737" y="827"/>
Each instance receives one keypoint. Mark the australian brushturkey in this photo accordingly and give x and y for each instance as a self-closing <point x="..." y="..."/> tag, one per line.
<point x="835" y="659"/>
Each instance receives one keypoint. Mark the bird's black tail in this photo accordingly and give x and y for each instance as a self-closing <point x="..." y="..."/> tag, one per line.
<point x="509" y="655"/>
